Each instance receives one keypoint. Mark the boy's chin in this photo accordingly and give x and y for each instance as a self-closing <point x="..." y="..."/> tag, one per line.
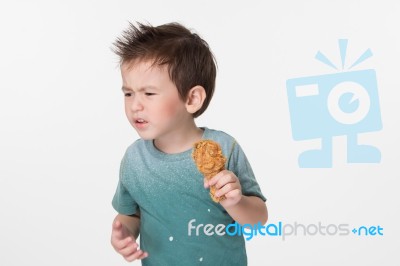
<point x="145" y="136"/>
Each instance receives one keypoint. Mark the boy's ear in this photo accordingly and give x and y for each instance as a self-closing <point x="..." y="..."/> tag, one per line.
<point x="195" y="99"/>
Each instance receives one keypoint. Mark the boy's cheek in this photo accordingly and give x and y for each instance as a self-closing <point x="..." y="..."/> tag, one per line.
<point x="171" y="110"/>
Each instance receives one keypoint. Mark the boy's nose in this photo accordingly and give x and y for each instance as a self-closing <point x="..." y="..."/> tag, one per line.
<point x="136" y="105"/>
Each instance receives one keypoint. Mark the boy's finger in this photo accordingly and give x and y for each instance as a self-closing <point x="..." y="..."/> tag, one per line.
<point x="215" y="178"/>
<point x="225" y="189"/>
<point x="129" y="249"/>
<point x="116" y="232"/>
<point x="137" y="255"/>
<point x="144" y="255"/>
<point x="206" y="185"/>
<point x="119" y="244"/>
<point x="225" y="180"/>
<point x="117" y="224"/>
<point x="233" y="193"/>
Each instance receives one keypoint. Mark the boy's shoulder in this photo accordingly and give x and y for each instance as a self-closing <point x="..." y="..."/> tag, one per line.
<point x="225" y="140"/>
<point x="217" y="135"/>
<point x="135" y="148"/>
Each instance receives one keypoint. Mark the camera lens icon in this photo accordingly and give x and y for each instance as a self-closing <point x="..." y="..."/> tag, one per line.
<point x="348" y="103"/>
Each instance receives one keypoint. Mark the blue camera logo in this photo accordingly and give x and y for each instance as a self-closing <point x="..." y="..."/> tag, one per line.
<point x="344" y="103"/>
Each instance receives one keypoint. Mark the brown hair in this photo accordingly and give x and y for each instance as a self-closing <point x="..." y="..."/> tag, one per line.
<point x="188" y="57"/>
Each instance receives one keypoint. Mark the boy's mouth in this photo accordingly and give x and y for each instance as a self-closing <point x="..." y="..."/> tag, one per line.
<point x="140" y="121"/>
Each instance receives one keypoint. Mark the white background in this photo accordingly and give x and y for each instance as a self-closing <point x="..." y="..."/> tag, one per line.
<point x="63" y="130"/>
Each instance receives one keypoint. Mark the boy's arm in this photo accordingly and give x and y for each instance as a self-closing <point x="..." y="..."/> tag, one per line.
<point x="125" y="231"/>
<point x="131" y="222"/>
<point x="249" y="210"/>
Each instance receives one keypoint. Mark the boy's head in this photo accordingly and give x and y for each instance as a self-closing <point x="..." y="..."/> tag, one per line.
<point x="187" y="57"/>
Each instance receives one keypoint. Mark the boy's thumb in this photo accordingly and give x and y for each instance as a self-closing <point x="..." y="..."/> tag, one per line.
<point x="206" y="183"/>
<point x="116" y="224"/>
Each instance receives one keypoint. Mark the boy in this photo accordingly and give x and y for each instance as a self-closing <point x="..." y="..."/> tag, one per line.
<point x="168" y="76"/>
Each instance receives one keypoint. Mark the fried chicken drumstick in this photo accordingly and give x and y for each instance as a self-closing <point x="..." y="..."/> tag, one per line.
<point x="207" y="155"/>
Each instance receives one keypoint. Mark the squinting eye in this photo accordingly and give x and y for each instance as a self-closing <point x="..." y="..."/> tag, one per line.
<point x="149" y="94"/>
<point x="127" y="94"/>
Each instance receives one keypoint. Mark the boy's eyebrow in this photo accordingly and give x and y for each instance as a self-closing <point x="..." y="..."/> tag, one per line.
<point x="125" y="89"/>
<point x="140" y="89"/>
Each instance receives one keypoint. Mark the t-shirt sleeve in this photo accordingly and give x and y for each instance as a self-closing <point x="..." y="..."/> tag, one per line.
<point x="239" y="164"/>
<point x="122" y="201"/>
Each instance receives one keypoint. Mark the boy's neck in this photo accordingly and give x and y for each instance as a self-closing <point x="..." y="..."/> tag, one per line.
<point x="180" y="140"/>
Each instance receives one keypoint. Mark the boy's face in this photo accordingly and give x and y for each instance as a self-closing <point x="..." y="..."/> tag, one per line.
<point x="152" y="103"/>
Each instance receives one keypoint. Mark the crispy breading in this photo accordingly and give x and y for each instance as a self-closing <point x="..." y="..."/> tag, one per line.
<point x="209" y="159"/>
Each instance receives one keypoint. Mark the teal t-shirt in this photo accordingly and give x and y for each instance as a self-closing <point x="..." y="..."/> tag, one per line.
<point x="168" y="190"/>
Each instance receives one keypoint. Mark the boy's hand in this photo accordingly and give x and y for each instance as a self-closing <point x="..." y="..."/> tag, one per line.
<point x="228" y="185"/>
<point x="125" y="243"/>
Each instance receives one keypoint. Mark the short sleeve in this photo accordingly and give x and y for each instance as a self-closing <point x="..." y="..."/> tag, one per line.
<point x="123" y="202"/>
<point x="239" y="164"/>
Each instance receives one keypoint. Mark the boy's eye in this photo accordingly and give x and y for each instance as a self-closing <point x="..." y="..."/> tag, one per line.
<point x="127" y="94"/>
<point x="149" y="94"/>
